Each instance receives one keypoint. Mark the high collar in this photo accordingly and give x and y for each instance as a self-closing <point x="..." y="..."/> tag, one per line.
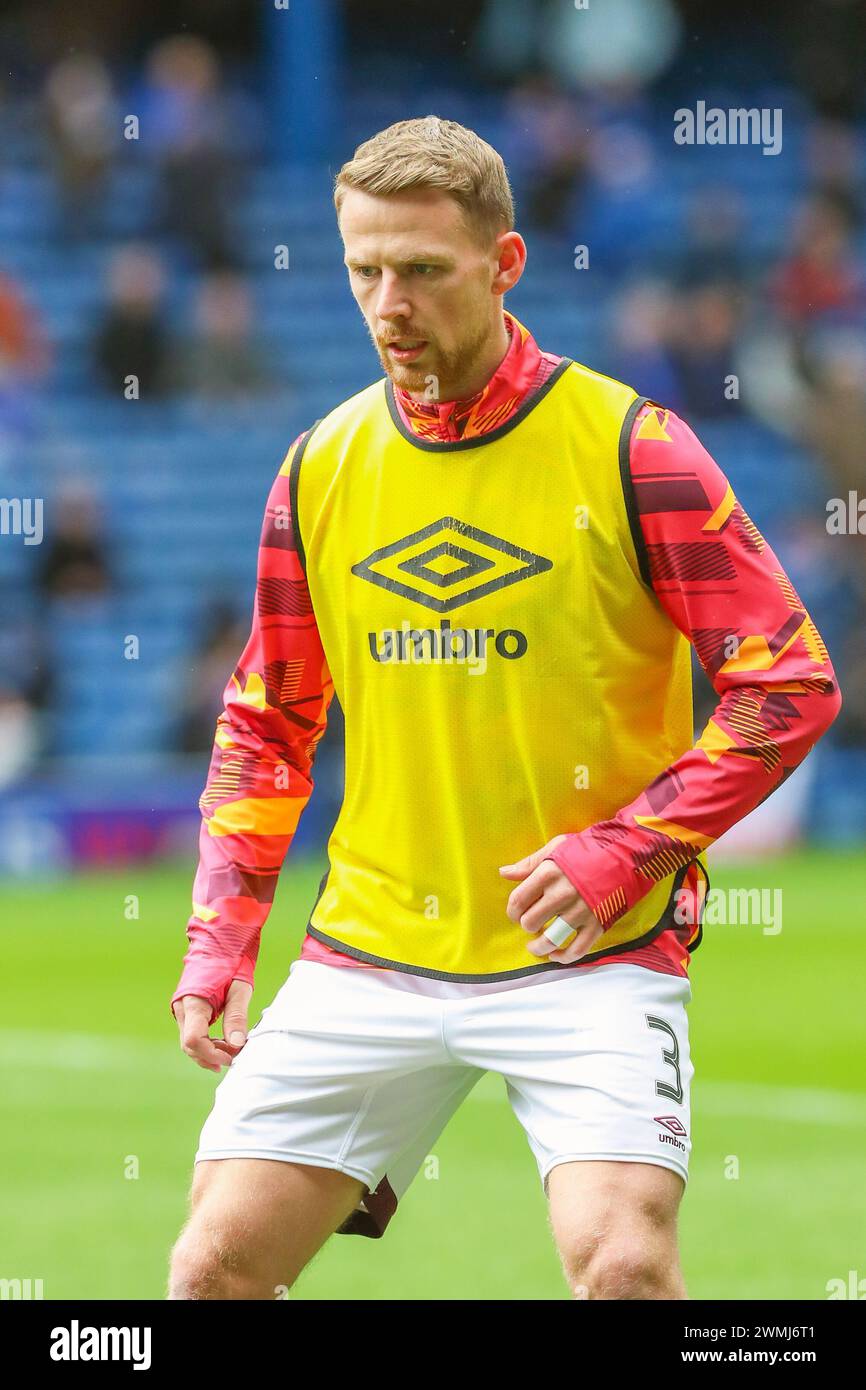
<point x="523" y="369"/>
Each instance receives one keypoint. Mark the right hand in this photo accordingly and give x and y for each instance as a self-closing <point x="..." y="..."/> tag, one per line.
<point x="193" y="1020"/>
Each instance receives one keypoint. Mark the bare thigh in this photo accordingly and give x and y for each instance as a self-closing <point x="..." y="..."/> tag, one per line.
<point x="254" y="1224"/>
<point x="615" y="1227"/>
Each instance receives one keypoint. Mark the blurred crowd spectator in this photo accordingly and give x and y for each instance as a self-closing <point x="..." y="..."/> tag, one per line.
<point x="132" y="339"/>
<point x="74" y="557"/>
<point x="26" y="688"/>
<point x="223" y="360"/>
<point x="710" y="322"/>
<point x="225" y="636"/>
<point x="23" y="350"/>
<point x="550" y="146"/>
<point x="220" y="360"/>
<point x="19" y="732"/>
<point x="82" y="125"/>
<point x="195" y="129"/>
<point x="24" y="359"/>
<point x="194" y="132"/>
<point x="821" y="275"/>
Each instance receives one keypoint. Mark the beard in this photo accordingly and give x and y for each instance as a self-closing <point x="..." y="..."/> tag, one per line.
<point x="448" y="367"/>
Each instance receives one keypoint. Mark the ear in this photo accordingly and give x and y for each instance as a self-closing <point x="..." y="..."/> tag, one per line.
<point x="512" y="261"/>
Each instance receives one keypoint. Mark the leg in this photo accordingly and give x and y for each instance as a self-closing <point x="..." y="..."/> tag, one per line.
<point x="338" y="1093"/>
<point x="254" y="1224"/>
<point x="598" y="1072"/>
<point x="615" y="1226"/>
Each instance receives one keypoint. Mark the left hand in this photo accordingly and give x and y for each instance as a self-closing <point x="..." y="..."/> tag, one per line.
<point x="545" y="892"/>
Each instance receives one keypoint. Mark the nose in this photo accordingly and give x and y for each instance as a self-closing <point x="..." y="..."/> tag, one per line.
<point x="392" y="302"/>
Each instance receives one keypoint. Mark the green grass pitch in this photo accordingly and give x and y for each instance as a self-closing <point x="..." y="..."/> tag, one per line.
<point x="95" y="1089"/>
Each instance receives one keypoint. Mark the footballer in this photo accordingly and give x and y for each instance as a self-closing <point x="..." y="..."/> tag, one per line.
<point x="498" y="560"/>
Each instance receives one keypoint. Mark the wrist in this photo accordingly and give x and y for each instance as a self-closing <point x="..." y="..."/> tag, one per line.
<point x="595" y="870"/>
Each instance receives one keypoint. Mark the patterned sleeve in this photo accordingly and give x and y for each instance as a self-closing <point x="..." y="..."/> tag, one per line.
<point x="275" y="713"/>
<point x="721" y="584"/>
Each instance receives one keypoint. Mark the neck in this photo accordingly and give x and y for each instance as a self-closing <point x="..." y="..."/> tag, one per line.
<point x="490" y="358"/>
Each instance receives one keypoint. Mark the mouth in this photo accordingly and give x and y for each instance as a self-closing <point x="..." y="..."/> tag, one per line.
<point x="406" y="349"/>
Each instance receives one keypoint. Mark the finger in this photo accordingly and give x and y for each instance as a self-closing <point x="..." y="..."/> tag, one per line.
<point x="552" y="903"/>
<point x="207" y="1054"/>
<point x="194" y="1031"/>
<point x="577" y="948"/>
<point x="521" y="899"/>
<point x="542" y="945"/>
<point x="518" y="870"/>
<point x="191" y="1011"/>
<point x="210" y="1054"/>
<point x="521" y="867"/>
<point x="560" y="931"/>
<point x="524" y="866"/>
<point x="192" y="1024"/>
<point x="549" y="946"/>
<point x="235" y="1013"/>
<point x="543" y="879"/>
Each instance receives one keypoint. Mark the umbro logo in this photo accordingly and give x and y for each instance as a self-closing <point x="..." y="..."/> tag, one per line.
<point x="449" y="563"/>
<point x="671" y="1122"/>
<point x="676" y="1128"/>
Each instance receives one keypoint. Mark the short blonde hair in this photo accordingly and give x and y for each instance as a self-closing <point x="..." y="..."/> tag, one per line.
<point x="428" y="152"/>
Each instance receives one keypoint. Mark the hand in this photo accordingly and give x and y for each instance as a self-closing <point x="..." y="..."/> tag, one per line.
<point x="545" y="892"/>
<point x="193" y="1020"/>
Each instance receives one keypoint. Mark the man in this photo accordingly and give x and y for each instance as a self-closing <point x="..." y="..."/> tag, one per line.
<point x="496" y="558"/>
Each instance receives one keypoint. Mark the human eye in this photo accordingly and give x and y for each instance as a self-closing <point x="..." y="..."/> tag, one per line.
<point x="362" y="271"/>
<point x="423" y="268"/>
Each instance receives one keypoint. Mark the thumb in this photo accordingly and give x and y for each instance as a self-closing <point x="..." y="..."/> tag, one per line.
<point x="235" y="1012"/>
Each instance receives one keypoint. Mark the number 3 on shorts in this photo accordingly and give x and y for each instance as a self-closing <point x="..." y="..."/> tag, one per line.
<point x="671" y="1057"/>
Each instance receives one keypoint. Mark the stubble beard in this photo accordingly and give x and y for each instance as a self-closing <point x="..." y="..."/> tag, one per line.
<point x="447" y="369"/>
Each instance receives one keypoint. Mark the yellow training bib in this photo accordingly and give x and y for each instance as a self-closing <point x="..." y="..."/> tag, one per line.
<point x="504" y="671"/>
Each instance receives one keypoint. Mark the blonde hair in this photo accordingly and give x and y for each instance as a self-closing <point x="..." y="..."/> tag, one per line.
<point x="428" y="152"/>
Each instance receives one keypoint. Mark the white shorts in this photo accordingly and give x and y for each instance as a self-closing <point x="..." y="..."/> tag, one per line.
<point x="354" y="1069"/>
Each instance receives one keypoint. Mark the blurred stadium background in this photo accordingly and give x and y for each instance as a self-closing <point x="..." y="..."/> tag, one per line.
<point x="165" y="214"/>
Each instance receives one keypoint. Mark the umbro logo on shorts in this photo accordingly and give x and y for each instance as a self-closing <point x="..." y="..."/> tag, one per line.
<point x="449" y="563"/>
<point x="675" y="1126"/>
<point x="672" y="1123"/>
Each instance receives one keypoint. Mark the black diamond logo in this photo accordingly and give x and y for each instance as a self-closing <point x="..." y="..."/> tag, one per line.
<point x="459" y="555"/>
<point x="420" y="565"/>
